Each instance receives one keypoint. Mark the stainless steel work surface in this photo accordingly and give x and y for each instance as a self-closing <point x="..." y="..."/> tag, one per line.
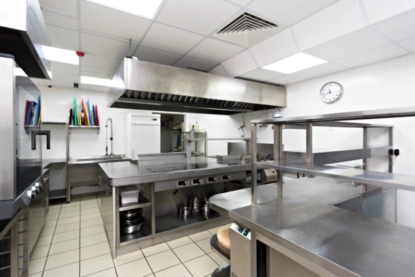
<point x="382" y="179"/>
<point x="362" y="244"/>
<point x="96" y="159"/>
<point x="126" y="173"/>
<point x="322" y="190"/>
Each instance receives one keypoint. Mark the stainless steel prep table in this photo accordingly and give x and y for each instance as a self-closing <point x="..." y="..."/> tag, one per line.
<point x="127" y="173"/>
<point x="338" y="241"/>
<point x="163" y="177"/>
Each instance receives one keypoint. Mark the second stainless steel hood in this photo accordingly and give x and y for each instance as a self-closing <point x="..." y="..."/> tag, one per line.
<point x="149" y="86"/>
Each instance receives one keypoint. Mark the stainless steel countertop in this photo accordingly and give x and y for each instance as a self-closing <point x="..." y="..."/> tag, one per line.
<point x="97" y="159"/>
<point x="322" y="190"/>
<point x="127" y="173"/>
<point x="320" y="233"/>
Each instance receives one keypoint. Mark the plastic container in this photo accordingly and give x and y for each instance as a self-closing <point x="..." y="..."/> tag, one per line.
<point x="129" y="195"/>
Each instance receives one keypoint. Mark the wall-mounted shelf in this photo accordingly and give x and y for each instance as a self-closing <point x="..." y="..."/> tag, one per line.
<point x="83" y="128"/>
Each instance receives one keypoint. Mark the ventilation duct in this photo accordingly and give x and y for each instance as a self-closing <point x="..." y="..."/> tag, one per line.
<point x="149" y="86"/>
<point x="247" y="30"/>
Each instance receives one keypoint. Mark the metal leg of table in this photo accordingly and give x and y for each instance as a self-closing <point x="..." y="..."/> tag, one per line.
<point x="153" y="210"/>
<point x="253" y="165"/>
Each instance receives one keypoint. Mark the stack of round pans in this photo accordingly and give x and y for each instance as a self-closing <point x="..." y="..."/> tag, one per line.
<point x="131" y="221"/>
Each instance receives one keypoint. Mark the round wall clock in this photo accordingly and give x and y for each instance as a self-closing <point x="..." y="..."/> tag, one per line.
<point x="331" y="92"/>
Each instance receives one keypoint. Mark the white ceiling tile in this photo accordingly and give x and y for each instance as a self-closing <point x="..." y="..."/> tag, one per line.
<point x="215" y="50"/>
<point x="104" y="46"/>
<point x="350" y="44"/>
<point x="409" y="44"/>
<point x="219" y="70"/>
<point x="242" y="3"/>
<point x="156" y="56"/>
<point x="372" y="56"/>
<point x="92" y="69"/>
<point x="341" y="18"/>
<point x="58" y="67"/>
<point x="63" y="38"/>
<point x="107" y="65"/>
<point x="286" y="80"/>
<point x="288" y="12"/>
<point x="399" y="27"/>
<point x="275" y="48"/>
<point x="379" y="10"/>
<point x="320" y="70"/>
<point x="170" y="39"/>
<point x="195" y="63"/>
<point x="123" y="25"/>
<point x="240" y="64"/>
<point x="261" y="75"/>
<point x="64" y="7"/>
<point x="60" y="20"/>
<point x="201" y="17"/>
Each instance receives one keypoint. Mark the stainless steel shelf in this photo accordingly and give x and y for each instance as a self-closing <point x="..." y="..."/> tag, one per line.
<point x="169" y="222"/>
<point x="142" y="202"/>
<point x="143" y="233"/>
<point x="83" y="127"/>
<point x="358" y="115"/>
<point x="382" y="179"/>
<point x="224" y="271"/>
<point x="32" y="126"/>
<point x="223" y="252"/>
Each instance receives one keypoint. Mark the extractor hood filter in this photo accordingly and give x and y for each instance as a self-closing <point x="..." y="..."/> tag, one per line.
<point x="149" y="86"/>
<point x="247" y="30"/>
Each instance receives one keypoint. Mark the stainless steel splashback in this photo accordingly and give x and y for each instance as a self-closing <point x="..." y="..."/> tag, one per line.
<point x="149" y="86"/>
<point x="22" y="28"/>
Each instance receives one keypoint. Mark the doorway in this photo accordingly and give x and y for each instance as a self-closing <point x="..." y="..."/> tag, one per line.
<point x="171" y="126"/>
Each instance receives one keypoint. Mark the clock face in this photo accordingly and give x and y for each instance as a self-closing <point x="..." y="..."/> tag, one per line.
<point x="331" y="92"/>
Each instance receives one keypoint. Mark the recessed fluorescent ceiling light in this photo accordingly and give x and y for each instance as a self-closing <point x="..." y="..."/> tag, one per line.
<point x="294" y="63"/>
<point x="143" y="8"/>
<point x="95" y="81"/>
<point x="57" y="54"/>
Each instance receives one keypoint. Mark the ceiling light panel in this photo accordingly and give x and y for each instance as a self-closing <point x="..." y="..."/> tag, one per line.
<point x="294" y="63"/>
<point x="95" y="81"/>
<point x="57" y="54"/>
<point x="143" y="8"/>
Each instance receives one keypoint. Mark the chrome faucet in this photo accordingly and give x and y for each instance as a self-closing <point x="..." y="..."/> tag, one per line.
<point x="106" y="139"/>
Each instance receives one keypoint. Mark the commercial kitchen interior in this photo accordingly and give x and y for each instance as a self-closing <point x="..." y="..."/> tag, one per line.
<point x="207" y="138"/>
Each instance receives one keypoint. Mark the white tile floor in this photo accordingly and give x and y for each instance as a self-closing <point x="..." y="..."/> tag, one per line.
<point x="73" y="243"/>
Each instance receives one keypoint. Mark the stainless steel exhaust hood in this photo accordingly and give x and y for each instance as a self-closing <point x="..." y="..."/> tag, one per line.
<point x="22" y="31"/>
<point x="149" y="86"/>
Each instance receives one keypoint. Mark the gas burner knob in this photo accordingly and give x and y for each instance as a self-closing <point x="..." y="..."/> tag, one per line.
<point x="35" y="189"/>
<point x="31" y="194"/>
<point x="39" y="185"/>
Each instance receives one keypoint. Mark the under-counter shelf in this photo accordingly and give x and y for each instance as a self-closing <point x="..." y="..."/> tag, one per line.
<point x="223" y="252"/>
<point x="142" y="202"/>
<point x="137" y="236"/>
<point x="174" y="221"/>
<point x="223" y="271"/>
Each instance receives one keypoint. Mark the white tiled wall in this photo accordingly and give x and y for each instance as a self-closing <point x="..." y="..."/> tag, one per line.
<point x="58" y="101"/>
<point x="386" y="84"/>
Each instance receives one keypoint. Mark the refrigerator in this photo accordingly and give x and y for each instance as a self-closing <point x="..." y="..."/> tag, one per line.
<point x="143" y="134"/>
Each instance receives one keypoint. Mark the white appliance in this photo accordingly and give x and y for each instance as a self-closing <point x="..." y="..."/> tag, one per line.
<point x="143" y="134"/>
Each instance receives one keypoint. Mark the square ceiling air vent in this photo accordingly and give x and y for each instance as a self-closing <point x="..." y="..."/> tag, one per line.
<point x="247" y="30"/>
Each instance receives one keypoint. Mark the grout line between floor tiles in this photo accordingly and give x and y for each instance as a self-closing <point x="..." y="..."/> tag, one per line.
<point x="179" y="258"/>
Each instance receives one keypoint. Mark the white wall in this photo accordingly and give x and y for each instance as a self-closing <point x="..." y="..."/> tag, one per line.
<point x="386" y="84"/>
<point x="56" y="103"/>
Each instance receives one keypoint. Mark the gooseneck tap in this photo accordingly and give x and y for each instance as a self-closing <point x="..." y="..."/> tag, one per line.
<point x="106" y="139"/>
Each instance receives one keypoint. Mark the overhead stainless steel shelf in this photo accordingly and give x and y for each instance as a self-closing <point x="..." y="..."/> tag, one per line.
<point x="382" y="179"/>
<point x="357" y="115"/>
